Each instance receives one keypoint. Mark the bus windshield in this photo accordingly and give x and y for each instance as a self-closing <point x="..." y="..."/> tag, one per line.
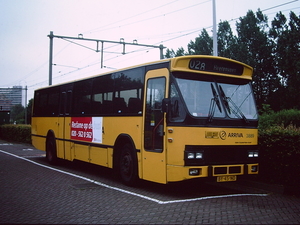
<point x="218" y="98"/>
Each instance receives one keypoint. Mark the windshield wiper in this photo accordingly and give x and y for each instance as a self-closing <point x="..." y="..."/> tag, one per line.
<point x="235" y="110"/>
<point x="213" y="102"/>
<point x="225" y="100"/>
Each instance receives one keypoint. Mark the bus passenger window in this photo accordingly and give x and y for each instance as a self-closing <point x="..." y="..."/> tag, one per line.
<point x="135" y="105"/>
<point x="97" y="103"/>
<point x="119" y="105"/>
<point x="82" y="95"/>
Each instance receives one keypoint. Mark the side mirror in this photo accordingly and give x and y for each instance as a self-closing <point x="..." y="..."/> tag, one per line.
<point x="165" y="105"/>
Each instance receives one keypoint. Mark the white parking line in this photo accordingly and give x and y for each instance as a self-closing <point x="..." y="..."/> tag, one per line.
<point x="129" y="192"/>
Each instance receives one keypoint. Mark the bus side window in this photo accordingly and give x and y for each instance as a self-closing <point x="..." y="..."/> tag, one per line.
<point x="119" y="105"/>
<point x="82" y="95"/>
<point x="135" y="105"/>
<point x="102" y="95"/>
<point x="47" y="102"/>
<point x="97" y="103"/>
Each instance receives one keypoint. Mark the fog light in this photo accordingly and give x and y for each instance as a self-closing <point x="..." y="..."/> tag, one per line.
<point x="194" y="172"/>
<point x="254" y="169"/>
<point x="190" y="155"/>
<point x="198" y="155"/>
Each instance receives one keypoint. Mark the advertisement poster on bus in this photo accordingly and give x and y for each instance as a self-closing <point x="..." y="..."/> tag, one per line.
<point x="86" y="129"/>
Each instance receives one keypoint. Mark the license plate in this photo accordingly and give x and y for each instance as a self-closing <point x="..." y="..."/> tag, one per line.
<point x="226" y="178"/>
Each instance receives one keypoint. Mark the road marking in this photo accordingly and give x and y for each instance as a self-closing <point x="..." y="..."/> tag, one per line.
<point x="27" y="149"/>
<point x="129" y="192"/>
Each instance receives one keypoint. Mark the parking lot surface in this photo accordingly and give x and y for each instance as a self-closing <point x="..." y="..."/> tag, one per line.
<point x="34" y="192"/>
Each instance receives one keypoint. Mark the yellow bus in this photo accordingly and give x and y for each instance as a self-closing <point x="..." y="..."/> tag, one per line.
<point x="166" y="121"/>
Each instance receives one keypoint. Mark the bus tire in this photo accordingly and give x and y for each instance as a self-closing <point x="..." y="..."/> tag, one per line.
<point x="51" y="154"/>
<point x="128" y="165"/>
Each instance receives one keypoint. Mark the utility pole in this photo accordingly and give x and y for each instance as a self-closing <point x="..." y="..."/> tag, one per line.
<point x="215" y="42"/>
<point x="26" y="104"/>
<point x="50" y="57"/>
<point x="80" y="37"/>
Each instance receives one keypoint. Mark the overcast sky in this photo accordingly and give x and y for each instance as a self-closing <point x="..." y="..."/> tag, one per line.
<point x="25" y="24"/>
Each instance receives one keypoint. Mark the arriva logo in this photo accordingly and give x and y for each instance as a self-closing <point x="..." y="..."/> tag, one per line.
<point x="223" y="135"/>
<point x="235" y="135"/>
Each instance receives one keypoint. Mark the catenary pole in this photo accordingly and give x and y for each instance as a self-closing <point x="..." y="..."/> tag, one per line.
<point x="26" y="105"/>
<point x="80" y="37"/>
<point x="215" y="42"/>
<point x="50" y="57"/>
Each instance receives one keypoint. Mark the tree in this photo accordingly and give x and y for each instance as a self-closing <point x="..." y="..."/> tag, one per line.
<point x="170" y="53"/>
<point x="255" y="49"/>
<point x="29" y="110"/>
<point x="287" y="42"/>
<point x="203" y="45"/>
<point x="227" y="42"/>
<point x="273" y="53"/>
<point x="17" y="114"/>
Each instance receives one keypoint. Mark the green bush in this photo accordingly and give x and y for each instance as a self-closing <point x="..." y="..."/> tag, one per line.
<point x="16" y="133"/>
<point x="282" y="118"/>
<point x="280" y="154"/>
<point x="279" y="141"/>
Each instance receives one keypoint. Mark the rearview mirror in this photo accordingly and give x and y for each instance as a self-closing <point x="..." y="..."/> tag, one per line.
<point x="165" y="105"/>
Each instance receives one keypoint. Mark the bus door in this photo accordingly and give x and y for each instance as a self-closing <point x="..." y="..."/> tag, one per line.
<point x="64" y="121"/>
<point x="154" y="152"/>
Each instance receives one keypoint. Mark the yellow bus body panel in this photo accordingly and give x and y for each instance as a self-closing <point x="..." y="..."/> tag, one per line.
<point x="179" y="137"/>
<point x="71" y="149"/>
<point x="41" y="126"/>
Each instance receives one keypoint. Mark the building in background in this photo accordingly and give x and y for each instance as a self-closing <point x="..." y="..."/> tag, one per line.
<point x="10" y="97"/>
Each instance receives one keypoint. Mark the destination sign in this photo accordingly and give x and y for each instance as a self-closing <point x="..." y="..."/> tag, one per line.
<point x="216" y="66"/>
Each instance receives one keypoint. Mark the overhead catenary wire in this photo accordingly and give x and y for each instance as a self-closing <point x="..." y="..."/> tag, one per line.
<point x="171" y="38"/>
<point x="154" y="17"/>
<point x="122" y="20"/>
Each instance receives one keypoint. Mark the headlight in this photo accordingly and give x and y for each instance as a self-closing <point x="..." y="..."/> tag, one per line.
<point x="194" y="155"/>
<point x="253" y="154"/>
<point x="198" y="155"/>
<point x="191" y="155"/>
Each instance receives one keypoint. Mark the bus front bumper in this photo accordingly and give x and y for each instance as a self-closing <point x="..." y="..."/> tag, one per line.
<point x="220" y="172"/>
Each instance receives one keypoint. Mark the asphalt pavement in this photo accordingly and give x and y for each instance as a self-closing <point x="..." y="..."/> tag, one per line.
<point x="33" y="192"/>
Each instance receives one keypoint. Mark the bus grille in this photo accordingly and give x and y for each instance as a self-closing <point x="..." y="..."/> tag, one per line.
<point x="220" y="155"/>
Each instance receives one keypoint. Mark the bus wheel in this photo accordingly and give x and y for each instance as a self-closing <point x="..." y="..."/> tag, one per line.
<point x="128" y="165"/>
<point x="51" y="150"/>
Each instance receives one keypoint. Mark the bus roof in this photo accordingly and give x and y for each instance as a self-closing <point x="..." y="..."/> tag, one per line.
<point x="183" y="63"/>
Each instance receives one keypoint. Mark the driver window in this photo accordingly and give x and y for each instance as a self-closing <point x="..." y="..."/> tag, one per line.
<point x="177" y="112"/>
